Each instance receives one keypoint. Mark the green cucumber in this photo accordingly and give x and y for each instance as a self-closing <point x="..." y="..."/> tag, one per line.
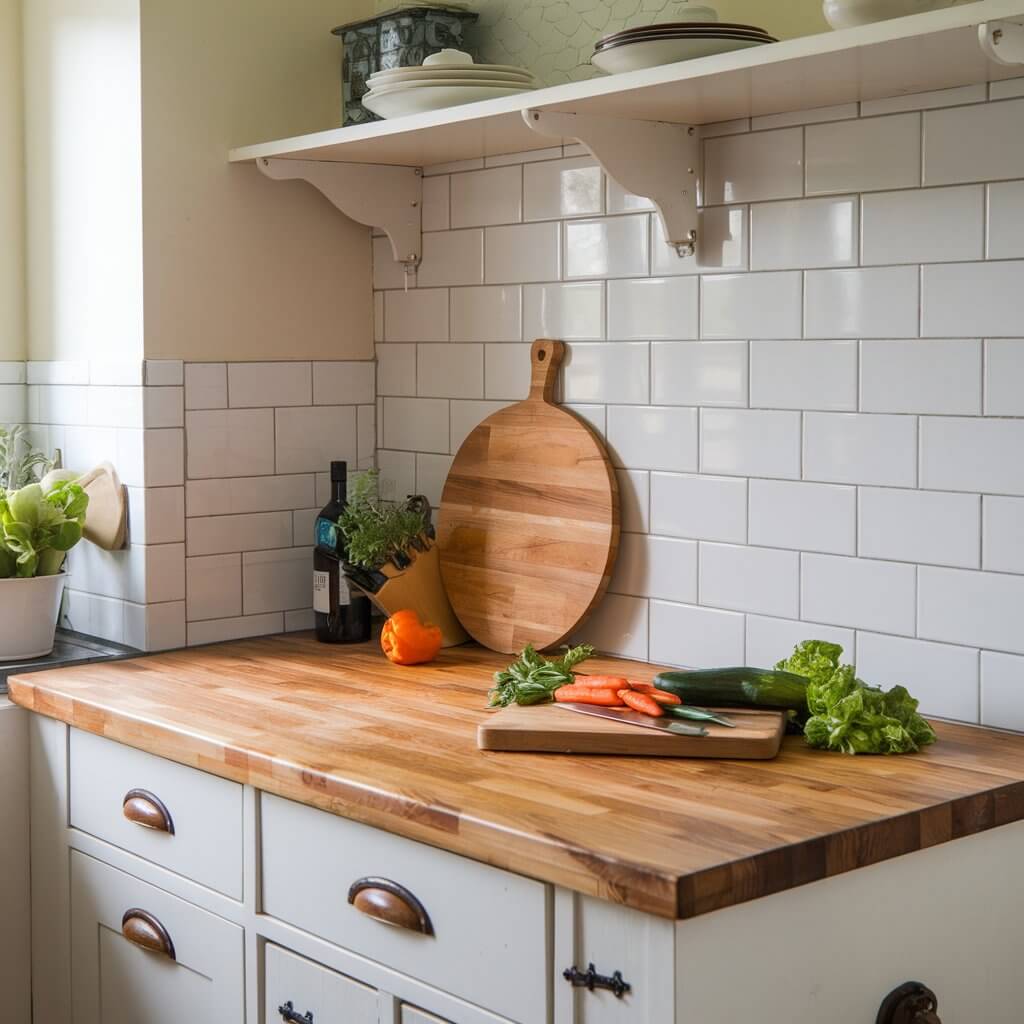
<point x="737" y="687"/>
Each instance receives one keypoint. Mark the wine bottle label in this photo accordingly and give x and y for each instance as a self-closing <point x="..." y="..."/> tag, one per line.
<point x="326" y="534"/>
<point x="322" y="592"/>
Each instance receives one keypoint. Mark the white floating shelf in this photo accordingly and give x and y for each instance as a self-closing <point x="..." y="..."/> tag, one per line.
<point x="925" y="52"/>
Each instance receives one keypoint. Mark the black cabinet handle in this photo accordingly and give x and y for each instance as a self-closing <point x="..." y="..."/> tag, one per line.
<point x="289" y="1014"/>
<point x="590" y="979"/>
<point x="910" y="1003"/>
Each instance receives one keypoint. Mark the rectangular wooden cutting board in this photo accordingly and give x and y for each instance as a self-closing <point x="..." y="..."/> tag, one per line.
<point x="544" y="728"/>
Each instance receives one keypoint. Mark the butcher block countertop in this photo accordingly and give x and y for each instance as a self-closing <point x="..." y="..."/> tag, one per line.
<point x="343" y="730"/>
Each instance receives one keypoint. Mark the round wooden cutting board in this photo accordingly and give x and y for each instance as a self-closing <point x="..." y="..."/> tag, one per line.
<point x="529" y="523"/>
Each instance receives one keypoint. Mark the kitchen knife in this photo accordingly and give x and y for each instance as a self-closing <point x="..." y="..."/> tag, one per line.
<point x="635" y="718"/>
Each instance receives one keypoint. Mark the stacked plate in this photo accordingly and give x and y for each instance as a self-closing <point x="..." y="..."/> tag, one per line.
<point x="652" y="45"/>
<point x="445" y="79"/>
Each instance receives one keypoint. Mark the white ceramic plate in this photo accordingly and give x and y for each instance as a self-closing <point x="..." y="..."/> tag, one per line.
<point x="505" y="68"/>
<point x="448" y="83"/>
<point x="850" y="13"/>
<point x="418" y="74"/>
<point x="397" y="103"/>
<point x="652" y="53"/>
<point x="751" y="36"/>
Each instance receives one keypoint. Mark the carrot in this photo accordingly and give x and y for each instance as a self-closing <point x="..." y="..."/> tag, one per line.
<point x="661" y="696"/>
<point x="641" y="702"/>
<point x="588" y="695"/>
<point x="604" y="682"/>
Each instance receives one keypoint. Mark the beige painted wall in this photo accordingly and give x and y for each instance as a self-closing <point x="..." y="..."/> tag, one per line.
<point x="238" y="266"/>
<point x="12" y="242"/>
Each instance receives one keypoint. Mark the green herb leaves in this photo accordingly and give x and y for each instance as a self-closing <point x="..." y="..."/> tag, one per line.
<point x="375" y="531"/>
<point x="533" y="679"/>
<point x="38" y="528"/>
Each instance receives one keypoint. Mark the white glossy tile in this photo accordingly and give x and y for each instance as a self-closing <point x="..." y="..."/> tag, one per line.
<point x="156" y="515"/>
<point x="12" y="372"/>
<point x="450" y="371"/>
<point x="594" y="415"/>
<point x="101" y="617"/>
<point x="699" y="506"/>
<point x="751" y="305"/>
<point x="924" y="100"/>
<point x="563" y="188"/>
<point x="651" y="308"/>
<point x="804" y="233"/>
<point x="977" y="608"/>
<point x="1002" y="693"/>
<point x="850" y="448"/>
<point x="617" y="626"/>
<point x="933" y="527"/>
<point x="933" y="225"/>
<point x="655" y="567"/>
<point x="802" y="516"/>
<point x="451" y="258"/>
<point x="298" y="620"/>
<point x="67" y="405"/>
<point x="163" y="407"/>
<point x="431" y="473"/>
<point x="213" y="587"/>
<point x="397" y="475"/>
<point x="572" y="312"/>
<point x="415" y="424"/>
<point x="218" y="630"/>
<point x="618" y="200"/>
<point x="864" y="155"/>
<point x="489" y="313"/>
<point x="611" y="247"/>
<point x="304" y="527"/>
<point x="253" y="531"/>
<point x="164" y="573"/>
<point x="964" y="300"/>
<point x="161" y="462"/>
<point x="274" y="581"/>
<point x="1002" y="534"/>
<point x="416" y="315"/>
<point x="877" y="302"/>
<point x="723" y="247"/>
<point x="803" y="374"/>
<point x="503" y="159"/>
<point x="507" y="372"/>
<point x="699" y="372"/>
<point x="236" y="442"/>
<point x="979" y="455"/>
<point x="750" y="579"/>
<point x="155" y="627"/>
<point x="120" y="373"/>
<point x="112" y="406"/>
<point x="343" y="383"/>
<point x="259" y="385"/>
<point x="858" y="592"/>
<point x="748" y="442"/>
<point x="1005" y="216"/>
<point x="57" y="371"/>
<point x="436" y="204"/>
<point x="493" y="196"/>
<point x="978" y="143"/>
<point x="770" y="640"/>
<point x="606" y="371"/>
<point x="206" y="385"/>
<point x="816" y="115"/>
<point x="1006" y="89"/>
<point x="921" y="376"/>
<point x="378" y="316"/>
<point x="164" y="373"/>
<point x="12" y="403"/>
<point x="522" y="253"/>
<point x="736" y="126"/>
<point x="308" y="440"/>
<point x="942" y="677"/>
<point x="237" y="495"/>
<point x="744" y="168"/>
<point x="465" y="415"/>
<point x="694" y="637"/>
<point x="453" y="167"/>
<point x="396" y="369"/>
<point x="634" y="499"/>
<point x="387" y="272"/>
<point x="653" y="437"/>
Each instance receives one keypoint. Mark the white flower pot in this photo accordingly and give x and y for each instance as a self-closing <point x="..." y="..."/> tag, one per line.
<point x="28" y="616"/>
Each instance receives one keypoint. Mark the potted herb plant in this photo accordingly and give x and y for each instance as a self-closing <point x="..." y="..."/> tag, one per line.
<point x="391" y="555"/>
<point x="40" y="521"/>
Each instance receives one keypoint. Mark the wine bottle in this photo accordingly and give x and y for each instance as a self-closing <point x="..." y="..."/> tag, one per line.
<point x="342" y="616"/>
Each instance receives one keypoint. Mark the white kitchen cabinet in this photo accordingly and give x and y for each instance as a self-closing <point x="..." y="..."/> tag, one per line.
<point x="299" y="990"/>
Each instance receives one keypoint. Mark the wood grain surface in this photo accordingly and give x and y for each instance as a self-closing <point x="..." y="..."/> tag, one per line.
<point x="554" y="730"/>
<point x="342" y="729"/>
<point x="529" y="520"/>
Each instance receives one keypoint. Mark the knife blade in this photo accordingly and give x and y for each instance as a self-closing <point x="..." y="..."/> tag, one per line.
<point x="677" y="728"/>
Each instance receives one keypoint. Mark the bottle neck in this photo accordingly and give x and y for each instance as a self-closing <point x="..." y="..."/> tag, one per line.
<point x="339" y="492"/>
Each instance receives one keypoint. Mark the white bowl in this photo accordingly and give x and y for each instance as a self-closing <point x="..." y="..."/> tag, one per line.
<point x="850" y="13"/>
<point x="448" y="83"/>
<point x="651" y="53"/>
<point x="445" y="74"/>
<point x="399" y="102"/>
<point x="448" y="57"/>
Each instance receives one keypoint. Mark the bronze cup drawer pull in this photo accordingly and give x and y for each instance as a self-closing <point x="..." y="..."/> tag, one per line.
<point x="148" y="810"/>
<point x="390" y="903"/>
<point x="144" y="930"/>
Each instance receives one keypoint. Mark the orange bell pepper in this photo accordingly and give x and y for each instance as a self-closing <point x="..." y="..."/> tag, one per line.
<point x="407" y="641"/>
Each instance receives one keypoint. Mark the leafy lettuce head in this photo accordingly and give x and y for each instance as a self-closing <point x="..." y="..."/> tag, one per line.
<point x="38" y="528"/>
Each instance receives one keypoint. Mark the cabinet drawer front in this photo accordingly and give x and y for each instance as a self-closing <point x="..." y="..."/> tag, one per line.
<point x="118" y="981"/>
<point x="486" y="940"/>
<point x="178" y="817"/>
<point x="313" y="991"/>
<point x="410" y="1015"/>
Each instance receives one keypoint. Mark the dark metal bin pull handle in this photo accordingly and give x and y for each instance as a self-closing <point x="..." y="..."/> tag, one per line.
<point x="390" y="903"/>
<point x="289" y="1014"/>
<point x="148" y="810"/>
<point x="142" y="929"/>
<point x="590" y="980"/>
<point x="910" y="1003"/>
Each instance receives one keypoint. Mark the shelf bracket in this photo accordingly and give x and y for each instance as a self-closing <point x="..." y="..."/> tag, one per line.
<point x="652" y="159"/>
<point x="1002" y="41"/>
<point x="378" y="195"/>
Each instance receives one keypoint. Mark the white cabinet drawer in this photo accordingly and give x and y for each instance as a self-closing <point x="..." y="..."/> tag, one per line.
<point x="487" y="939"/>
<point x="410" y="1015"/>
<point x="202" y="839"/>
<point x="197" y="976"/>
<point x="306" y="989"/>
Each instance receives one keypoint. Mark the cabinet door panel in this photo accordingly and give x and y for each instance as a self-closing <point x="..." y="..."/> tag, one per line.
<point x="411" y="1015"/>
<point x="114" y="981"/>
<point x="314" y="989"/>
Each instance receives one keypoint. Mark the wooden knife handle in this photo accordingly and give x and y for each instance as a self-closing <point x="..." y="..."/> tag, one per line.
<point x="144" y="930"/>
<point x="545" y="358"/>
<point x="390" y="903"/>
<point x="148" y="810"/>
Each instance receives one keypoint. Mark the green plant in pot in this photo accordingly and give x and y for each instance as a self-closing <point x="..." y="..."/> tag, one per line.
<point x="391" y="555"/>
<point x="41" y="519"/>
